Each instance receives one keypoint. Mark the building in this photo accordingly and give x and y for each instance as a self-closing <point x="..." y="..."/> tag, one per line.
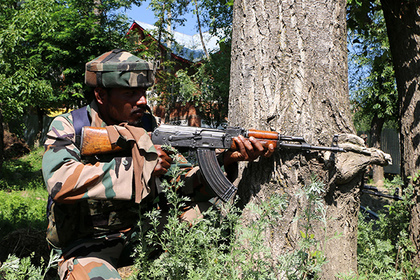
<point x="185" y="51"/>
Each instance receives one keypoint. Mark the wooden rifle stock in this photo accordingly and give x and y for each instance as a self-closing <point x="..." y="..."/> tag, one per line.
<point x="95" y="141"/>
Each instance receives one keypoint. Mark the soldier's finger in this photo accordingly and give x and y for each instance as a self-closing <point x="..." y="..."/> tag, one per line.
<point x="247" y="143"/>
<point x="270" y="150"/>
<point x="256" y="144"/>
<point x="241" y="150"/>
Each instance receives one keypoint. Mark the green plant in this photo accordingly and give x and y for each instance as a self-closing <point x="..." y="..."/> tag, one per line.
<point x="23" y="173"/>
<point x="306" y="262"/>
<point x="384" y="247"/>
<point x="222" y="245"/>
<point x="186" y="251"/>
<point x="20" y="269"/>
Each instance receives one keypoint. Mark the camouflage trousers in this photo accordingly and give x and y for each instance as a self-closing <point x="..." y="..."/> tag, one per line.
<point x="93" y="259"/>
<point x="99" y="258"/>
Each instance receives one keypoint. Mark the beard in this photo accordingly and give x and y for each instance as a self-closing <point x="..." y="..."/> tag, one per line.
<point x="138" y="122"/>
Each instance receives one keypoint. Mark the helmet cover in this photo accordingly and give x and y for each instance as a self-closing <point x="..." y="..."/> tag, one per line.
<point x="118" y="68"/>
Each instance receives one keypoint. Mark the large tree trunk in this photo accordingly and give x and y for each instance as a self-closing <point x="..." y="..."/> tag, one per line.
<point x="289" y="73"/>
<point x="403" y="26"/>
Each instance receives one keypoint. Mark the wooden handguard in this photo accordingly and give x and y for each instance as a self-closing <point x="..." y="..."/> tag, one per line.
<point x="265" y="138"/>
<point x="95" y="141"/>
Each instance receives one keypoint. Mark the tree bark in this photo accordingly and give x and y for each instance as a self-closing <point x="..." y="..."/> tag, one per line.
<point x="199" y="30"/>
<point x="403" y="27"/>
<point x="289" y="73"/>
<point x="375" y="131"/>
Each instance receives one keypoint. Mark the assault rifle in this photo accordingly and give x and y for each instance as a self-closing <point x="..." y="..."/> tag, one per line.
<point x="204" y="141"/>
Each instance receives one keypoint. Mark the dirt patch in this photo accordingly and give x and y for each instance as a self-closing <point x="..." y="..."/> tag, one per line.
<point x="22" y="243"/>
<point x="13" y="146"/>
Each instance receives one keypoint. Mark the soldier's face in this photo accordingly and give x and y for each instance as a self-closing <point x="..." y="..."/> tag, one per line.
<point x="119" y="105"/>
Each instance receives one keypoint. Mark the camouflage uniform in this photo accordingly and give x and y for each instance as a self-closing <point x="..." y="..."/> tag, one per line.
<point x="93" y="213"/>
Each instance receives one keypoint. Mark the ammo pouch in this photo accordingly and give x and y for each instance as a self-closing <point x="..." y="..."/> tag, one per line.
<point x="89" y="219"/>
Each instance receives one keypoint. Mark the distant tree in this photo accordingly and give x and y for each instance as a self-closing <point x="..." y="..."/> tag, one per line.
<point x="206" y="84"/>
<point x="214" y="74"/>
<point x="373" y="89"/>
<point x="402" y="22"/>
<point x="45" y="45"/>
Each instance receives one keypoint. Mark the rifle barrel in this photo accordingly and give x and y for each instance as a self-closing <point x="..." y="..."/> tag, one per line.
<point x="306" y="146"/>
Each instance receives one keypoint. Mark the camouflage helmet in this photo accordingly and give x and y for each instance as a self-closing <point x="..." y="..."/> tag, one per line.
<point x="118" y="68"/>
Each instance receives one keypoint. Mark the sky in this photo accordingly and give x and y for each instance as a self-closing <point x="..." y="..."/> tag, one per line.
<point x="144" y="14"/>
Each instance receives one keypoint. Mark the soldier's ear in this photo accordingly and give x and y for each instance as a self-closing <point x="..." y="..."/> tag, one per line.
<point x="101" y="95"/>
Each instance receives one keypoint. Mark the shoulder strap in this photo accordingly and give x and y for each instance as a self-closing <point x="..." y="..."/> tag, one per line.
<point x="80" y="119"/>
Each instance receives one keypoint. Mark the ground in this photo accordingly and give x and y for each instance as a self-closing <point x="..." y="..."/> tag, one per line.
<point x="13" y="146"/>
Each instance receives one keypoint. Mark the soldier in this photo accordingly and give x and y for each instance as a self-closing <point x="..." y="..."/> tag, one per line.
<point x="94" y="202"/>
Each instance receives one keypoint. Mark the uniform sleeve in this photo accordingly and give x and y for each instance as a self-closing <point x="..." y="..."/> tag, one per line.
<point x="68" y="179"/>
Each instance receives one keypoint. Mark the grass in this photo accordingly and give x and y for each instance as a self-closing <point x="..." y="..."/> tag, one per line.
<point x="23" y="200"/>
<point x="22" y="173"/>
<point x="22" y="194"/>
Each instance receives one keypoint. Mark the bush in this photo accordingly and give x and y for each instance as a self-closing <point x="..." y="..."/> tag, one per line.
<point x="20" y="269"/>
<point x="384" y="248"/>
<point x="22" y="209"/>
<point x="221" y="246"/>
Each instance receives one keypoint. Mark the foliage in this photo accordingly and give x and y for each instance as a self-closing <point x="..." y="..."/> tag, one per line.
<point x="20" y="269"/>
<point x="384" y="247"/>
<point x="372" y="85"/>
<point x="23" y="173"/>
<point x="222" y="246"/>
<point x="217" y="17"/>
<point x="45" y="45"/>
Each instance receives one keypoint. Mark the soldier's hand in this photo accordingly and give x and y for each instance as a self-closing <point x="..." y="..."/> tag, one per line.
<point x="247" y="150"/>
<point x="164" y="162"/>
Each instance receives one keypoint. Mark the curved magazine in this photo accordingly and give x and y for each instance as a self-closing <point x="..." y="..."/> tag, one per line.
<point x="214" y="175"/>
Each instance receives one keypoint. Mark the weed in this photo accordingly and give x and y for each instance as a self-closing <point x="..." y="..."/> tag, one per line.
<point x="20" y="269"/>
<point x="222" y="246"/>
<point x="307" y="260"/>
<point x="384" y="247"/>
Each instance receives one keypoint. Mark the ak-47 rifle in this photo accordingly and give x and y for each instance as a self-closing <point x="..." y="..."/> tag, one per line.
<point x="204" y="141"/>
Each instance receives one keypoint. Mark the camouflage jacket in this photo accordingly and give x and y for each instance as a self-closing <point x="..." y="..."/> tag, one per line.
<point x="69" y="180"/>
<point x="90" y="197"/>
